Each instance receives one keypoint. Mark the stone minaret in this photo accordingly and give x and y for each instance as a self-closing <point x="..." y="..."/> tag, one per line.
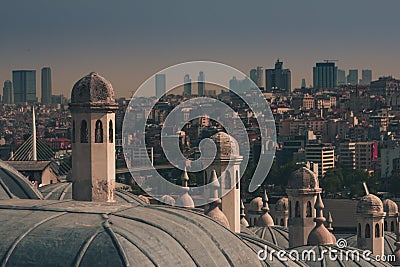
<point x="370" y="224"/>
<point x="282" y="212"/>
<point x="227" y="166"/>
<point x="303" y="188"/>
<point x="392" y="213"/>
<point x="93" y="136"/>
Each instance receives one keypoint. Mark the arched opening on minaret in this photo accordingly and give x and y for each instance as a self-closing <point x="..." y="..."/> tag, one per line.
<point x="359" y="230"/>
<point x="110" y="132"/>
<point x="309" y="210"/>
<point x="98" y="137"/>
<point x="290" y="209"/>
<point x="385" y="225"/>
<point x="282" y="223"/>
<point x="367" y="231"/>
<point x="377" y="230"/>
<point x="228" y="180"/>
<point x="297" y="209"/>
<point x="73" y="132"/>
<point x="237" y="179"/>
<point x="84" y="132"/>
<point x="392" y="226"/>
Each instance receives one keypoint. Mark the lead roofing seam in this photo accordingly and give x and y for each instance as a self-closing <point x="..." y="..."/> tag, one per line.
<point x="117" y="244"/>
<point x="11" y="249"/>
<point x="83" y="249"/>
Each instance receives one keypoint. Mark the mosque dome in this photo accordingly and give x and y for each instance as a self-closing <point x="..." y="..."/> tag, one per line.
<point x="282" y="205"/>
<point x="227" y="146"/>
<point x="389" y="242"/>
<point x="92" y="89"/>
<point x="256" y="204"/>
<point x="77" y="233"/>
<point x="303" y="178"/>
<point x="216" y="214"/>
<point x="276" y="235"/>
<point x="13" y="184"/>
<point x="167" y="199"/>
<point x="320" y="235"/>
<point x="63" y="191"/>
<point x="332" y="255"/>
<point x="369" y="204"/>
<point x="390" y="207"/>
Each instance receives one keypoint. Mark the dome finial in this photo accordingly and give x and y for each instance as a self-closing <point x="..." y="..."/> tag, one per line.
<point x="185" y="178"/>
<point x="185" y="200"/>
<point x="329" y="221"/>
<point x="320" y="235"/>
<point x="265" y="201"/>
<point x="213" y="210"/>
<point x="265" y="219"/>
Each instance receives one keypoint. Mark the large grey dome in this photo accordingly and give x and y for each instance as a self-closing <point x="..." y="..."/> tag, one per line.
<point x="74" y="233"/>
<point x="63" y="191"/>
<point x="14" y="185"/>
<point x="92" y="89"/>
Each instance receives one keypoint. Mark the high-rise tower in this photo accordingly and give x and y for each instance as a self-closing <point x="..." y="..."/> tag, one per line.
<point x="46" y="85"/>
<point x="24" y="82"/>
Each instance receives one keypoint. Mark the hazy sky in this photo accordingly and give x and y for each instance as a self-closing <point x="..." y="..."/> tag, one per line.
<point x="128" y="41"/>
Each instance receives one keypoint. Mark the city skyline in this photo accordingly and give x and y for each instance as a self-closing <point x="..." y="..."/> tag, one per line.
<point x="42" y="37"/>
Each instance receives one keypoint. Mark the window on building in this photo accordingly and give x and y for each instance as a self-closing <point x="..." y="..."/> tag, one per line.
<point x="377" y="230"/>
<point x="309" y="209"/>
<point x="392" y="227"/>
<point x="98" y="137"/>
<point x="367" y="231"/>
<point x="110" y="132"/>
<point x="228" y="180"/>
<point x="297" y="209"/>
<point x="84" y="132"/>
<point x="359" y="230"/>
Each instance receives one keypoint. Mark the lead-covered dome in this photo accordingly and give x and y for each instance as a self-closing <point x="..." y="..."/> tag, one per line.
<point x="15" y="185"/>
<point x="92" y="89"/>
<point x="303" y="178"/>
<point x="77" y="233"/>
<point x="369" y="204"/>
<point x="282" y="205"/>
<point x="227" y="146"/>
<point x="390" y="207"/>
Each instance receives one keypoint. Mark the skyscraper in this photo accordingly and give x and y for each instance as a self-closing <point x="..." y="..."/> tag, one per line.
<point x="303" y="83"/>
<point x="201" y="84"/>
<point x="325" y="75"/>
<point x="278" y="79"/>
<point x="341" y="77"/>
<point x="257" y="76"/>
<point x="7" y="92"/>
<point x="46" y="85"/>
<point x="187" y="87"/>
<point x="24" y="82"/>
<point x="366" y="77"/>
<point x="160" y="85"/>
<point x="352" y="78"/>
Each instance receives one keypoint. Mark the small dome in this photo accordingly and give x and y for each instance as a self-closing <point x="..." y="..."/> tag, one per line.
<point x="320" y="236"/>
<point x="168" y="200"/>
<point x="303" y="178"/>
<point x="185" y="201"/>
<point x="227" y="146"/>
<point x="15" y="185"/>
<point x="390" y="207"/>
<point x="369" y="204"/>
<point x="282" y="205"/>
<point x="216" y="214"/>
<point x="256" y="204"/>
<point x="277" y="235"/>
<point x="92" y="88"/>
<point x="265" y="220"/>
<point x="63" y="191"/>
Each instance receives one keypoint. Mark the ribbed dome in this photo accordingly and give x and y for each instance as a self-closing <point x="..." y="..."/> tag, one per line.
<point x="389" y="240"/>
<point x="256" y="204"/>
<point x="92" y="88"/>
<point x="303" y="178"/>
<point x="276" y="235"/>
<point x="63" y="191"/>
<point x="390" y="207"/>
<point x="73" y="233"/>
<point x="282" y="205"/>
<point x="334" y="253"/>
<point x="370" y="204"/>
<point x="14" y="185"/>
